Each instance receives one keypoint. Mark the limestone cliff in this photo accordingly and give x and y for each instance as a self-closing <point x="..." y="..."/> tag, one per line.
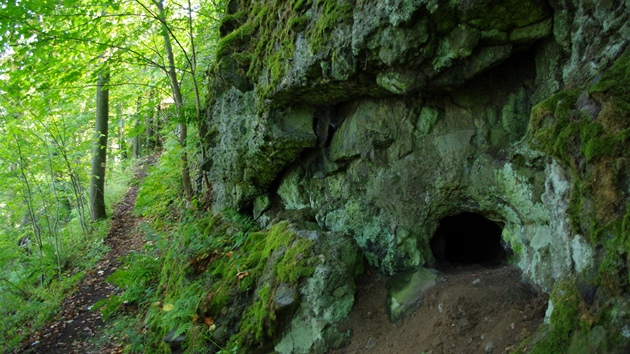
<point x="377" y="119"/>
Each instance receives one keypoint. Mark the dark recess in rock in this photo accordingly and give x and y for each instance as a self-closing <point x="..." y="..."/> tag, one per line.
<point x="468" y="238"/>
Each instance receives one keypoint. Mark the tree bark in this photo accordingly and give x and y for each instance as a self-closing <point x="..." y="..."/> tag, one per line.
<point x="182" y="125"/>
<point x="122" y="144"/>
<point x="99" y="160"/>
<point x="137" y="142"/>
<point x="149" y="127"/>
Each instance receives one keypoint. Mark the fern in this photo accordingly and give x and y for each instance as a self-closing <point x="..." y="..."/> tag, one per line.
<point x="135" y="277"/>
<point x="182" y="328"/>
<point x="108" y="306"/>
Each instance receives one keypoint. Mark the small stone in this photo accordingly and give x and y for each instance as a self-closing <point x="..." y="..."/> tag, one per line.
<point x="489" y="347"/>
<point x="285" y="296"/>
<point x="371" y="343"/>
<point x="476" y="281"/>
<point x="406" y="291"/>
<point x="34" y="343"/>
<point x="174" y="342"/>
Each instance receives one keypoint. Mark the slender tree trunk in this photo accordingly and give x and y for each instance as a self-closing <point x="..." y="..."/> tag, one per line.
<point x="61" y="143"/>
<point x="121" y="136"/>
<point x="99" y="161"/>
<point x="158" y="126"/>
<point x="179" y="103"/>
<point x="148" y="133"/>
<point x="136" y="127"/>
<point x="30" y="205"/>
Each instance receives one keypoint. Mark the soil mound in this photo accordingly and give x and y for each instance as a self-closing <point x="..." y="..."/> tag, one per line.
<point x="470" y="310"/>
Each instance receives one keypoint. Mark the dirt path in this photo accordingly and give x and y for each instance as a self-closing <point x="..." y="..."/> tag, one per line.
<point x="472" y="310"/>
<point x="75" y="326"/>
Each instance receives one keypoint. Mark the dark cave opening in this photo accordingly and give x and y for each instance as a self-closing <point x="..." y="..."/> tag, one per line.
<point x="468" y="238"/>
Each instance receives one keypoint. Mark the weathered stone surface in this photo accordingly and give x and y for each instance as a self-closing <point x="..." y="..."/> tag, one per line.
<point x="327" y="297"/>
<point x="531" y="33"/>
<point x="251" y="148"/>
<point x="285" y="297"/>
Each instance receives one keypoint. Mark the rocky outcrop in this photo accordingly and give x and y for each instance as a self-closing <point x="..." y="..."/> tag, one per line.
<point x="379" y="119"/>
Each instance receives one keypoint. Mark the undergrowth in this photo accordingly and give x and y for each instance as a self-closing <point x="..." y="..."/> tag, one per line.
<point x="209" y="278"/>
<point x="159" y="194"/>
<point x="33" y="284"/>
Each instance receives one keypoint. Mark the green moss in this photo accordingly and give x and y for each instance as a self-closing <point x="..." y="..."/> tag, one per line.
<point x="614" y="82"/>
<point x="298" y="24"/>
<point x="554" y="109"/>
<point x="562" y="131"/>
<point x="220" y="267"/>
<point x="291" y="268"/>
<point x="606" y="145"/>
<point x="235" y="40"/>
<point x="266" y="37"/>
<point x="258" y="318"/>
<point x="613" y="273"/>
<point x="564" y="320"/>
<point x="290" y="257"/>
<point x="332" y="14"/>
<point x="243" y="59"/>
<point x="594" y="151"/>
<point x="294" y="262"/>
<point x="296" y="5"/>
<point x="229" y="22"/>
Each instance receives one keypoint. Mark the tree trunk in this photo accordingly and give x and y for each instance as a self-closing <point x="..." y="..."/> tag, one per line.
<point x="182" y="126"/>
<point x="122" y="144"/>
<point x="149" y="126"/>
<point x="159" y="116"/>
<point x="99" y="160"/>
<point x="137" y="143"/>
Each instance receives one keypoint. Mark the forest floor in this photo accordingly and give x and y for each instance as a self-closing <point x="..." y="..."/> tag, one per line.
<point x="76" y="327"/>
<point x="472" y="309"/>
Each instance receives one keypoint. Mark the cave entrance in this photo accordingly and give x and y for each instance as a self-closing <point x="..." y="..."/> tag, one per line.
<point x="468" y="238"/>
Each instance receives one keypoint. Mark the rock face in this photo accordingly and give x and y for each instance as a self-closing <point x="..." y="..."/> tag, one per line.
<point x="377" y="119"/>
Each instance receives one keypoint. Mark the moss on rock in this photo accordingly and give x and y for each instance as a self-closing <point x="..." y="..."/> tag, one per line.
<point x="268" y="33"/>
<point x="596" y="151"/>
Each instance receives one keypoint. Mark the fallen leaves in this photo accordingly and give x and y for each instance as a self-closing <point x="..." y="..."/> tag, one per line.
<point x="168" y="307"/>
